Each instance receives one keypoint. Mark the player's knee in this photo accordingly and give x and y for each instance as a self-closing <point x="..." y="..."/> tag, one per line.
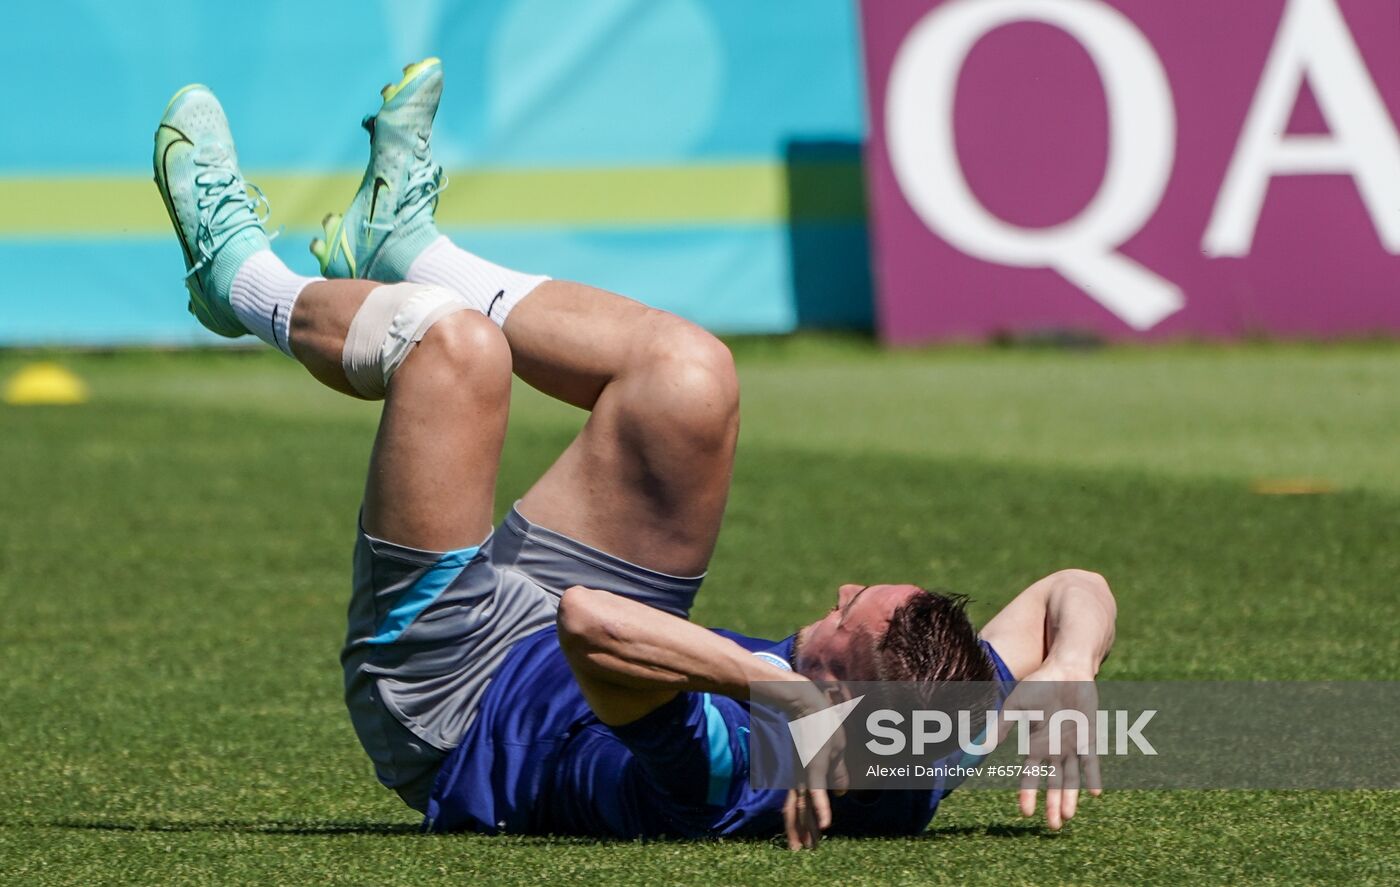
<point x="433" y="326"/>
<point x="470" y="346"/>
<point x="696" y="384"/>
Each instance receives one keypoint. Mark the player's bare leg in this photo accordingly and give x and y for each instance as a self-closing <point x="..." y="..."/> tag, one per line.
<point x="432" y="475"/>
<point x="647" y="477"/>
<point x="443" y="369"/>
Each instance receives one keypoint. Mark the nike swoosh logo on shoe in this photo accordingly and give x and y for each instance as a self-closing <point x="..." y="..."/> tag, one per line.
<point x="374" y="197"/>
<point x="165" y="190"/>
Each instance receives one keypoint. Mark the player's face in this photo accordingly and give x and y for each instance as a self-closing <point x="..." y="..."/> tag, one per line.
<point x="841" y="646"/>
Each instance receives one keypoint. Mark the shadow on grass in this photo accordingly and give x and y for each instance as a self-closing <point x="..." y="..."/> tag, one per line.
<point x="988" y="831"/>
<point x="269" y="827"/>
<point x="311" y="828"/>
<point x="384" y="829"/>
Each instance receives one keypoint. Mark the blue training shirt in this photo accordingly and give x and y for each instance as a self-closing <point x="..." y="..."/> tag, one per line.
<point x="537" y="761"/>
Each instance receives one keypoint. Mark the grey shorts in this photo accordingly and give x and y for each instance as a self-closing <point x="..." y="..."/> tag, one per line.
<point x="428" y="629"/>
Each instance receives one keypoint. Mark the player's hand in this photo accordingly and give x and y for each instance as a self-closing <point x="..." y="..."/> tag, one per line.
<point x="806" y="814"/>
<point x="807" y="810"/>
<point x="1052" y="688"/>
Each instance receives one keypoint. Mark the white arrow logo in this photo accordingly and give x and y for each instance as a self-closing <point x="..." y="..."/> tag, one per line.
<point x="811" y="732"/>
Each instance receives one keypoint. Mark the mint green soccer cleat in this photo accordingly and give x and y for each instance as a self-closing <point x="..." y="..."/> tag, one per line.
<point x="217" y="215"/>
<point x="390" y="221"/>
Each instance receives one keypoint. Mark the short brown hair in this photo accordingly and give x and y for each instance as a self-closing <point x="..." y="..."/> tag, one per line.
<point x="931" y="640"/>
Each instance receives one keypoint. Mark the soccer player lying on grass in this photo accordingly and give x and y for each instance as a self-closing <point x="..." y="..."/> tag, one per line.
<point x="542" y="677"/>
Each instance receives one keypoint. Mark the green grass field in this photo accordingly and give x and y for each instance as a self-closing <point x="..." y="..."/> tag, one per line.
<point x="174" y="562"/>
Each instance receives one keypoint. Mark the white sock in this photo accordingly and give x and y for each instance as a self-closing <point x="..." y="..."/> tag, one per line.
<point x="490" y="289"/>
<point x="263" y="293"/>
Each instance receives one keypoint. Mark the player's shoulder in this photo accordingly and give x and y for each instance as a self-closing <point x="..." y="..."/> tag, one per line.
<point x="1006" y="681"/>
<point x="774" y="652"/>
<point x="751" y="643"/>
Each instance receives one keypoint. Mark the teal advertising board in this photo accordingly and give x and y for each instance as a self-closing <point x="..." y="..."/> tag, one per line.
<point x="700" y="155"/>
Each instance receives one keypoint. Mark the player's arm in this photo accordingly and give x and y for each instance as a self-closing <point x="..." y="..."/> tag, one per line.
<point x="1053" y="637"/>
<point x="630" y="659"/>
<point x="1065" y="620"/>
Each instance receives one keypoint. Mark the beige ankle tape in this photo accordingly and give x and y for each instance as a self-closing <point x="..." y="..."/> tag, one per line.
<point x="393" y="319"/>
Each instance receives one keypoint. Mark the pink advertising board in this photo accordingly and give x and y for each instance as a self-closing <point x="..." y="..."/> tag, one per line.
<point x="1134" y="168"/>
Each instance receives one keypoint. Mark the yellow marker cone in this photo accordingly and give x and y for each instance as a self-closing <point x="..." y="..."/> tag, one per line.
<point x="44" y="383"/>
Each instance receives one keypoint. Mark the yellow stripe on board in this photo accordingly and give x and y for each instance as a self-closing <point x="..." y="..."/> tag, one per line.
<point x="750" y="193"/>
